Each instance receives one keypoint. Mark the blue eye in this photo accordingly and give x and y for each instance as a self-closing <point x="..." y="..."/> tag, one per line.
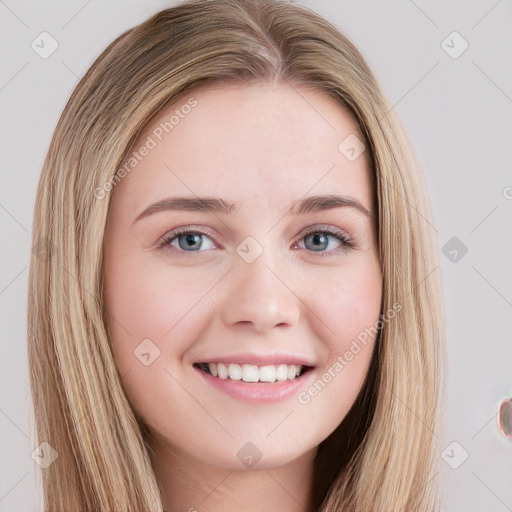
<point x="321" y="241"/>
<point x="189" y="241"/>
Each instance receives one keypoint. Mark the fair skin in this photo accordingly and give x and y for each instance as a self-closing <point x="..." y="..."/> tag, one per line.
<point x="303" y="299"/>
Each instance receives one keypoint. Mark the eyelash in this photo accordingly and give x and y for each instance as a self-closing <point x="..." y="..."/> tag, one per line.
<point x="346" y="242"/>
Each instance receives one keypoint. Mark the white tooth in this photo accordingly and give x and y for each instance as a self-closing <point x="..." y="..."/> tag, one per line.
<point x="267" y="374"/>
<point x="282" y="372"/>
<point x="235" y="372"/>
<point x="249" y="373"/>
<point x="213" y="369"/>
<point x="292" y="371"/>
<point x="222" y="371"/>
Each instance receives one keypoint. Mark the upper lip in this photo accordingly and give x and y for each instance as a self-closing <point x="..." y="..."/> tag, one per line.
<point x="259" y="359"/>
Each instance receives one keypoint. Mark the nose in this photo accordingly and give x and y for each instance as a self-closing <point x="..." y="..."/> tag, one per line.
<point x="260" y="296"/>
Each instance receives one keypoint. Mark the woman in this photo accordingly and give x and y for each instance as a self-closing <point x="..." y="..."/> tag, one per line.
<point x="253" y="370"/>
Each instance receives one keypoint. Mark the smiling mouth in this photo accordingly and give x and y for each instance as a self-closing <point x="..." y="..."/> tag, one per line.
<point x="253" y="373"/>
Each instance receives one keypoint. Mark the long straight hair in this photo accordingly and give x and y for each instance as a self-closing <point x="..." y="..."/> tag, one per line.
<point x="384" y="455"/>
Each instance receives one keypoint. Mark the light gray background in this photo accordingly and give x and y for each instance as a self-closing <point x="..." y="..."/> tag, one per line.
<point x="458" y="115"/>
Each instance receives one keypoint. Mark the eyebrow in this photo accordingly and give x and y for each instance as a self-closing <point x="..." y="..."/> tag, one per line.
<point x="217" y="205"/>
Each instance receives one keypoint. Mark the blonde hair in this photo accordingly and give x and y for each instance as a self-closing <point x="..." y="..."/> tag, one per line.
<point x="384" y="455"/>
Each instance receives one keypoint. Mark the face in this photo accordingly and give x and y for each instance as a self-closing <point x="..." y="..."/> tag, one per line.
<point x="239" y="319"/>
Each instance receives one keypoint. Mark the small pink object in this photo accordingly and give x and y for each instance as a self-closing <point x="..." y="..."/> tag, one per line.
<point x="504" y="418"/>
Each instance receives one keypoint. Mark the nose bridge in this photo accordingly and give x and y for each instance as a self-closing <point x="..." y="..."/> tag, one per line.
<point x="258" y="291"/>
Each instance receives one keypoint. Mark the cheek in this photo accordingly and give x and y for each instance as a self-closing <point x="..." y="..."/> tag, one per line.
<point x="155" y="314"/>
<point x="154" y="302"/>
<point x="348" y="301"/>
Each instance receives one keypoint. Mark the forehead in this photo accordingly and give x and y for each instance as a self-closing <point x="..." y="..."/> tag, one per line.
<point x="255" y="144"/>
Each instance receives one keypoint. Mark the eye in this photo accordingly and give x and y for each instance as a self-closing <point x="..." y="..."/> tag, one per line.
<point x="324" y="238"/>
<point x="186" y="240"/>
<point x="319" y="239"/>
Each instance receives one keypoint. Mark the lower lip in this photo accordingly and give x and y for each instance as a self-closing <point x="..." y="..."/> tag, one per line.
<point x="258" y="392"/>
